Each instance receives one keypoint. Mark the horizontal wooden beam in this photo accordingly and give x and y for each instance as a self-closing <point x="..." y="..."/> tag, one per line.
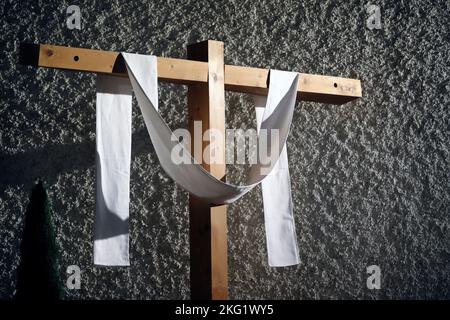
<point x="311" y="87"/>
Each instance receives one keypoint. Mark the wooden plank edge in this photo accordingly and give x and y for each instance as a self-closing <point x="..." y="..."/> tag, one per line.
<point x="315" y="88"/>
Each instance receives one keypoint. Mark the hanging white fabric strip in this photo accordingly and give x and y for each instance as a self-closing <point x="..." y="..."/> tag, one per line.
<point x="277" y="114"/>
<point x="279" y="221"/>
<point x="113" y="143"/>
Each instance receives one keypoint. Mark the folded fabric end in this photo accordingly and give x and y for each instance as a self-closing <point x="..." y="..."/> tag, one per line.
<point x="111" y="264"/>
<point x="117" y="261"/>
<point x="112" y="251"/>
<point x="287" y="263"/>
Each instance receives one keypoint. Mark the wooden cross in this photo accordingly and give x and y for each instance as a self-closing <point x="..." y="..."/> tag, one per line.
<point x="207" y="78"/>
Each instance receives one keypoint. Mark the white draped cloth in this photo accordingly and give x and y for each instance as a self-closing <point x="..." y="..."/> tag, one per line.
<point x="113" y="143"/>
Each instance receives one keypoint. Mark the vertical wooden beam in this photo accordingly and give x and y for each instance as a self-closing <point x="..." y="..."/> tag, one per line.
<point x="208" y="225"/>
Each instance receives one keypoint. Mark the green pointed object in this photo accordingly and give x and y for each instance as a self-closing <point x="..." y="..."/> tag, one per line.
<point x="37" y="277"/>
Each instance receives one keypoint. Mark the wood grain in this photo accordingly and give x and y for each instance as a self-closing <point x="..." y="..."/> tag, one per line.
<point x="311" y="87"/>
<point x="208" y="225"/>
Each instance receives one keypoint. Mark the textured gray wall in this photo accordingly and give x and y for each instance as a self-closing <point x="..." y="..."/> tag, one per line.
<point x="370" y="178"/>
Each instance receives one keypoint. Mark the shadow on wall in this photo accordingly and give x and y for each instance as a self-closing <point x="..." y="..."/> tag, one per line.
<point x="52" y="160"/>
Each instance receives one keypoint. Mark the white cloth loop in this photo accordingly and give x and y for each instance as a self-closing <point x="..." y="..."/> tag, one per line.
<point x="114" y="111"/>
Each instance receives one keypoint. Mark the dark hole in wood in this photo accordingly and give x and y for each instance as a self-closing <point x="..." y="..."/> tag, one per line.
<point x="335" y="85"/>
<point x="76" y="58"/>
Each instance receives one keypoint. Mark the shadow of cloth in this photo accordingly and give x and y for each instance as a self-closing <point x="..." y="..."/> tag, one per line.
<point x="107" y="223"/>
